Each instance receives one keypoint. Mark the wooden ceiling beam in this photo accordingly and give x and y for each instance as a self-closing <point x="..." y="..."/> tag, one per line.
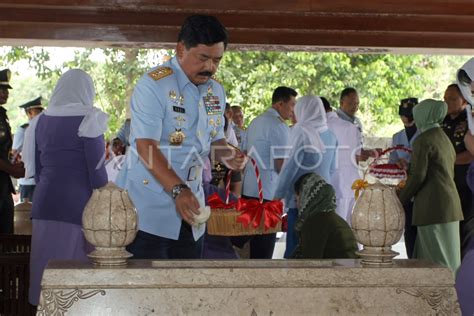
<point x="427" y="24"/>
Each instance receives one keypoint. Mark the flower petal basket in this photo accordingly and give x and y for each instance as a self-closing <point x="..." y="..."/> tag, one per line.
<point x="245" y="216"/>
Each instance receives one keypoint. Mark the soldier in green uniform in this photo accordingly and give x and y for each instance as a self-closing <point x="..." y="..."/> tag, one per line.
<point x="7" y="168"/>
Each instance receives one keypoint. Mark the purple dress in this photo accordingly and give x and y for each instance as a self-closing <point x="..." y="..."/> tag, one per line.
<point x="68" y="168"/>
<point x="465" y="274"/>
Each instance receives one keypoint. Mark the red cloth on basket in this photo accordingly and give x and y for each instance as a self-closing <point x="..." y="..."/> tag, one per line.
<point x="252" y="212"/>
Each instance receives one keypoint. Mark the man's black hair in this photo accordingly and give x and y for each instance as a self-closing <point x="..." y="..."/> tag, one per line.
<point x="347" y="91"/>
<point x="283" y="94"/>
<point x="202" y="29"/>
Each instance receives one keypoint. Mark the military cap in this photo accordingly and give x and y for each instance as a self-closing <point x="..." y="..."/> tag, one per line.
<point x="406" y="106"/>
<point x="34" y="104"/>
<point x="5" y="78"/>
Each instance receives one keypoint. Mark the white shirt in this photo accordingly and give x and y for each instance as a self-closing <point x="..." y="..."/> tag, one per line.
<point x="348" y="138"/>
<point x="113" y="167"/>
<point x="231" y="137"/>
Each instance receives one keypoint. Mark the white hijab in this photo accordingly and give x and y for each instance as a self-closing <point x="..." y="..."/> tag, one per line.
<point x="465" y="88"/>
<point x="468" y="67"/>
<point x="311" y="121"/>
<point x="73" y="96"/>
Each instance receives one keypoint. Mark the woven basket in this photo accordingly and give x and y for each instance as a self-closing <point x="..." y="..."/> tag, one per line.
<point x="223" y="221"/>
<point x="387" y="170"/>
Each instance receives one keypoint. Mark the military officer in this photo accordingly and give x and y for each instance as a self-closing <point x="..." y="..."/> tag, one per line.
<point x="348" y="107"/>
<point x="27" y="185"/>
<point x="407" y="135"/>
<point x="7" y="168"/>
<point x="405" y="138"/>
<point x="177" y="116"/>
<point x="267" y="139"/>
<point x="238" y="124"/>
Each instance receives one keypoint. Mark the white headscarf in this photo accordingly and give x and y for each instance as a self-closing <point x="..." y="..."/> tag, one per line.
<point x="468" y="67"/>
<point x="311" y="121"/>
<point x="465" y="88"/>
<point x="73" y="96"/>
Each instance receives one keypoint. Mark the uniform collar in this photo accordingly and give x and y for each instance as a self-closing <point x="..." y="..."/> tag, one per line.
<point x="461" y="117"/>
<point x="346" y="116"/>
<point x="273" y="112"/>
<point x="183" y="79"/>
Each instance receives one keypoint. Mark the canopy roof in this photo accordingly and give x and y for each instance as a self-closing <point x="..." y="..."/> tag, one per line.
<point x="348" y="25"/>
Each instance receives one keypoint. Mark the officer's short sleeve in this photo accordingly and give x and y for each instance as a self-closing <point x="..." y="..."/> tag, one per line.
<point x="147" y="110"/>
<point x="18" y="139"/>
<point x="279" y="139"/>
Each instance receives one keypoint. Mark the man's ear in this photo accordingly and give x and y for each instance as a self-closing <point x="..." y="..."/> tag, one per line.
<point x="180" y="49"/>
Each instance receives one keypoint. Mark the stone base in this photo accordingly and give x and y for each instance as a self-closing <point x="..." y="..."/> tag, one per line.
<point x="109" y="256"/>
<point x="377" y="256"/>
<point x="247" y="287"/>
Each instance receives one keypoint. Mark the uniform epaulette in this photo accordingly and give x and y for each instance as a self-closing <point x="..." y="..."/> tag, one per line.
<point x="160" y="73"/>
<point x="25" y="125"/>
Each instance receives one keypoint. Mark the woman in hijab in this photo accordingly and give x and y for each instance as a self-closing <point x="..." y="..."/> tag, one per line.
<point x="436" y="208"/>
<point x="313" y="150"/>
<point x="323" y="234"/>
<point x="65" y="151"/>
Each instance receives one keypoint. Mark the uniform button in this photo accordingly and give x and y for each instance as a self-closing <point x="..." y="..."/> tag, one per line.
<point x="145" y="182"/>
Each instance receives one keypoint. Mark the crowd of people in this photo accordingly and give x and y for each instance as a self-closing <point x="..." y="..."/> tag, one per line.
<point x="182" y="139"/>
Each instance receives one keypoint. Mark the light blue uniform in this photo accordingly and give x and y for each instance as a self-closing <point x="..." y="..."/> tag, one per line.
<point x="400" y="139"/>
<point x="267" y="139"/>
<point x="241" y="135"/>
<point x="303" y="162"/>
<point x="157" y="107"/>
<point x="18" y="140"/>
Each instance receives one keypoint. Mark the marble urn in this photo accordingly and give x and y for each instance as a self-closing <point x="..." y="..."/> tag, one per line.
<point x="109" y="223"/>
<point x="378" y="221"/>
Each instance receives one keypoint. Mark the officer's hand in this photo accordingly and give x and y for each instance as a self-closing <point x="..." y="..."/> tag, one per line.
<point x="17" y="170"/>
<point x="237" y="162"/>
<point x="187" y="205"/>
<point x="402" y="164"/>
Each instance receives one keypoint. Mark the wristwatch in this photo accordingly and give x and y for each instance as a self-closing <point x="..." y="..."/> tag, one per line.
<point x="177" y="188"/>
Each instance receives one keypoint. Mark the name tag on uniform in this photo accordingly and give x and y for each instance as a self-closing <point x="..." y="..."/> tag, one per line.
<point x="212" y="104"/>
<point x="179" y="109"/>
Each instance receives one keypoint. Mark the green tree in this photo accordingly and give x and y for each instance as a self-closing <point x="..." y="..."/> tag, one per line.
<point x="250" y="77"/>
<point x="382" y="80"/>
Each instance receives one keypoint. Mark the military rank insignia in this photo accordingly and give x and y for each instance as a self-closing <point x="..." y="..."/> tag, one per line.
<point x="177" y="137"/>
<point x="160" y="73"/>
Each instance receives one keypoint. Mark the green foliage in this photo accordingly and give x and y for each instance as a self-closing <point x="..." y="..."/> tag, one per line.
<point x="114" y="71"/>
<point x="249" y="79"/>
<point x="382" y="80"/>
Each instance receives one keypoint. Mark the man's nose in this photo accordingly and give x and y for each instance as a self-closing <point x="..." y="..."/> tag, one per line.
<point x="211" y="66"/>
